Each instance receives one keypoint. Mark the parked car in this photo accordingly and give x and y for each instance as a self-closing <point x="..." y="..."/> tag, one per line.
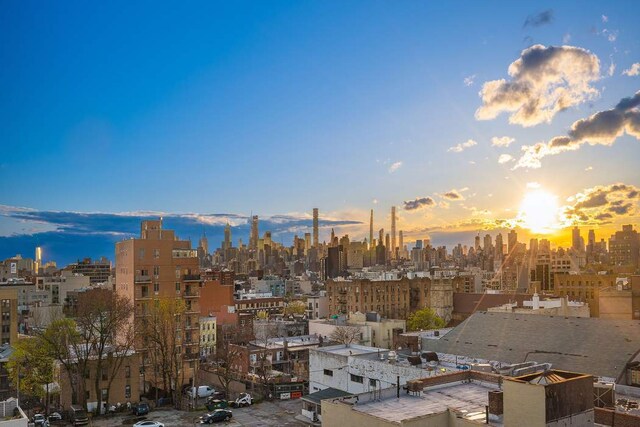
<point x="215" y="416"/>
<point x="213" y="404"/>
<point x="148" y="423"/>
<point x="40" y="420"/>
<point x="243" y="400"/>
<point x="203" y="391"/>
<point x="140" y="409"/>
<point x="54" y="418"/>
<point x="78" y="416"/>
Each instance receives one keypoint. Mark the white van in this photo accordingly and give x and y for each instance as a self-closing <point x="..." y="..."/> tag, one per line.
<point x="203" y="391"/>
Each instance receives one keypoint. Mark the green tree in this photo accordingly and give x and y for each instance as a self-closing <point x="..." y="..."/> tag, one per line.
<point x="423" y="319"/>
<point x="295" y="307"/>
<point x="32" y="367"/>
<point x="63" y="343"/>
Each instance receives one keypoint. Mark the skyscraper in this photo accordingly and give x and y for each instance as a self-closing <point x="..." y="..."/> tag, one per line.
<point x="400" y="241"/>
<point x="371" y="229"/>
<point x="38" y="263"/>
<point x="393" y="232"/>
<point x="315" y="228"/>
<point x="577" y="244"/>
<point x="512" y="241"/>
<point x="253" y="239"/>
<point x="204" y="243"/>
<point x="499" y="246"/>
<point x="227" y="237"/>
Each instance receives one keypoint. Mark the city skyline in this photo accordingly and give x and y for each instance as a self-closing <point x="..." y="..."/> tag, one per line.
<point x="341" y="107"/>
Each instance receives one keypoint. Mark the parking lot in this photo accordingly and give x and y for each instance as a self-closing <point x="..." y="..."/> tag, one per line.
<point x="277" y="413"/>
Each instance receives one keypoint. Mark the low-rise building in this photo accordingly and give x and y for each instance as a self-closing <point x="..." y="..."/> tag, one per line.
<point x="208" y="335"/>
<point x="124" y="387"/>
<point x="469" y="398"/>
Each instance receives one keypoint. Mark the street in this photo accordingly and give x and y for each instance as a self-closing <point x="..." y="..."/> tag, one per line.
<point x="277" y="413"/>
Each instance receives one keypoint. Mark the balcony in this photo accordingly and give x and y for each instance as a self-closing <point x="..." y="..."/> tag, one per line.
<point x="191" y="277"/>
<point x="191" y="294"/>
<point x="142" y="278"/>
<point x="192" y="326"/>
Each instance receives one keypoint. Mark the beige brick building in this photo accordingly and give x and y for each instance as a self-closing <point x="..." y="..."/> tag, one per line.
<point x="394" y="299"/>
<point x="159" y="265"/>
<point x="584" y="287"/>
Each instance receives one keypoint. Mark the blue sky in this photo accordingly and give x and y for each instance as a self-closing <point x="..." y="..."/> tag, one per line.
<point x="279" y="107"/>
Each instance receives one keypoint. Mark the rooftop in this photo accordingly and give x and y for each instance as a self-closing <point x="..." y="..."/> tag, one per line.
<point x="568" y="343"/>
<point x="351" y="350"/>
<point x="467" y="399"/>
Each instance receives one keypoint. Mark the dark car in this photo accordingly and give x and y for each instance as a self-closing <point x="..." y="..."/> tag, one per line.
<point x="140" y="409"/>
<point x="215" y="416"/>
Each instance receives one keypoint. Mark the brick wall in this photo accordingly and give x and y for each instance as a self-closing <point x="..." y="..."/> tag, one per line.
<point x="609" y="417"/>
<point x="496" y="402"/>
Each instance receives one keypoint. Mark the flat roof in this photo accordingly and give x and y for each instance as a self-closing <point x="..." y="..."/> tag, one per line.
<point x="327" y="393"/>
<point x="468" y="399"/>
<point x="352" y="350"/>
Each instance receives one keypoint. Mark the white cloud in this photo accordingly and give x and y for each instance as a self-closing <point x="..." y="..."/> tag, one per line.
<point x="504" y="141"/>
<point x="612" y="68"/>
<point x="544" y="81"/>
<point x="605" y="18"/>
<point x="588" y="168"/>
<point x="505" y="158"/>
<point x="566" y="38"/>
<point x="634" y="70"/>
<point x="601" y="128"/>
<point x="394" y="167"/>
<point x="468" y="81"/>
<point x="462" y="146"/>
<point x="533" y="185"/>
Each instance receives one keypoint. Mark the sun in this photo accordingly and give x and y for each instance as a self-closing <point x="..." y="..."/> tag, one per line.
<point x="539" y="212"/>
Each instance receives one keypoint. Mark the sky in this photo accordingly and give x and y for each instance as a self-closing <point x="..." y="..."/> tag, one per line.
<point x="468" y="116"/>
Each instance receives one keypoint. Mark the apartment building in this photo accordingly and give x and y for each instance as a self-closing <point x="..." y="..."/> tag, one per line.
<point x="158" y="265"/>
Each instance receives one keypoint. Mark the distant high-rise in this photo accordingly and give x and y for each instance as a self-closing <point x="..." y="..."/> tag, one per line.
<point x="576" y="240"/>
<point x="371" y="228"/>
<point x="393" y="232"/>
<point x="253" y="239"/>
<point x="476" y="245"/>
<point x="400" y="241"/>
<point x="512" y="241"/>
<point x="624" y="247"/>
<point x="38" y="263"/>
<point x="315" y="228"/>
<point x="204" y="243"/>
<point x="499" y="245"/>
<point x="487" y="246"/>
<point x="227" y="237"/>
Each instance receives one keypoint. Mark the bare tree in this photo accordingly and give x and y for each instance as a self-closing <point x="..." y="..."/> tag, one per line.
<point x="346" y="334"/>
<point x="264" y="354"/>
<point x="161" y="332"/>
<point x="228" y="356"/>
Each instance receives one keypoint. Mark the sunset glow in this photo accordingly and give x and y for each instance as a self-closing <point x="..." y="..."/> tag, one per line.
<point x="539" y="212"/>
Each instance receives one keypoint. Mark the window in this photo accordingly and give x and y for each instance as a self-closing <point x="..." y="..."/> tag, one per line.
<point x="104" y="393"/>
<point x="372" y="382"/>
<point x="104" y="374"/>
<point x="127" y="391"/>
<point x="357" y="378"/>
<point x="156" y="270"/>
<point x="156" y="253"/>
<point x="156" y="287"/>
<point x="127" y="371"/>
<point x="141" y="253"/>
<point x="177" y="287"/>
<point x="328" y="372"/>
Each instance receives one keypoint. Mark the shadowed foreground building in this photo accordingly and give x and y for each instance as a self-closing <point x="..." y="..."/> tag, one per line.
<point x="468" y="398"/>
